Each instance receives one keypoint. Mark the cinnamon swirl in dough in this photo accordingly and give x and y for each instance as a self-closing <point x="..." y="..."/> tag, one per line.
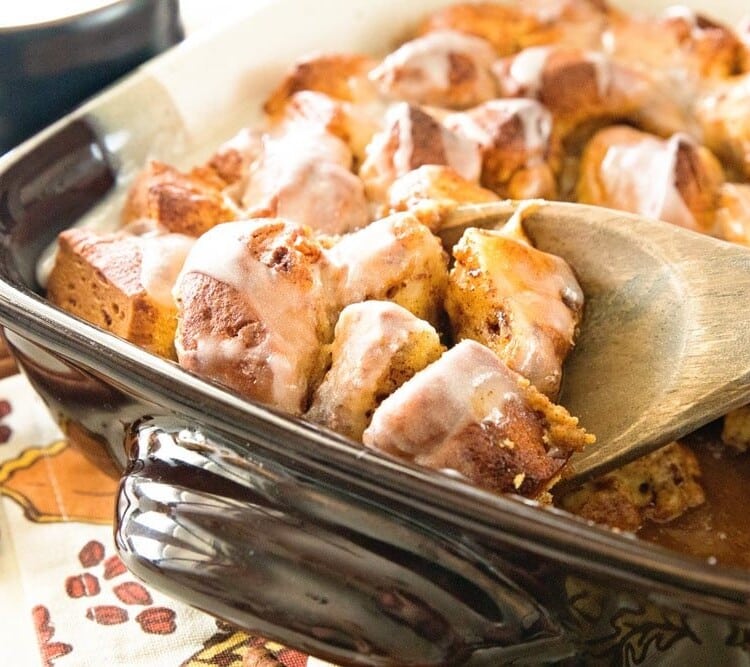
<point x="522" y="303"/>
<point x="478" y="418"/>
<point x="675" y="180"/>
<point x="377" y="346"/>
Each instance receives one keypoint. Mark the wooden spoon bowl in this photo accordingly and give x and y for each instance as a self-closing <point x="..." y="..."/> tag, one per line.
<point x="664" y="345"/>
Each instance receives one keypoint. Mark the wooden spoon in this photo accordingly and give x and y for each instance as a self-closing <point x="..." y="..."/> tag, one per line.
<point x="664" y="346"/>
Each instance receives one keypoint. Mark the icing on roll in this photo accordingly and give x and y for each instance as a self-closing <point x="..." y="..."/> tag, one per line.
<point x="477" y="418"/>
<point x="444" y="68"/>
<point x="255" y="306"/>
<point x="412" y="138"/>
<point x="303" y="175"/>
<point x="523" y="303"/>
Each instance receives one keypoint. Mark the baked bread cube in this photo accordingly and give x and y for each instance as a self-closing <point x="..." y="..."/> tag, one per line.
<point x="674" y="180"/>
<point x="377" y="346"/>
<point x="342" y="76"/>
<point x="430" y="192"/>
<point x="121" y="283"/>
<point x="515" y="139"/>
<point x="733" y="213"/>
<point x="444" y="68"/>
<point x="584" y="89"/>
<point x="354" y="124"/>
<point x="735" y="432"/>
<point x="410" y="139"/>
<point x="725" y="122"/>
<point x="679" y="39"/>
<point x="522" y="303"/>
<point x="231" y="161"/>
<point x="658" y="487"/>
<point x="468" y="412"/>
<point x="303" y="175"/>
<point x="254" y="310"/>
<point x="393" y="259"/>
<point x="189" y="203"/>
<point x="512" y="28"/>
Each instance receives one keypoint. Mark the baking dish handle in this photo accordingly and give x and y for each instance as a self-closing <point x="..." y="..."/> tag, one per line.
<point x="316" y="566"/>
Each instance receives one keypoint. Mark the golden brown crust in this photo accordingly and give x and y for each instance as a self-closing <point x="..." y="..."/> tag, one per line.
<point x="735" y="432"/>
<point x="678" y="39"/>
<point x="342" y="76"/>
<point x="183" y="203"/>
<point x="725" y="123"/>
<point x="254" y="310"/>
<point x="446" y="69"/>
<point x="511" y="29"/>
<point x="377" y="347"/>
<point x="658" y="487"/>
<point x="410" y="139"/>
<point x="521" y="303"/>
<point x="507" y="28"/>
<point x="685" y="177"/>
<point x="733" y="213"/>
<point x="480" y="419"/>
<point x="98" y="278"/>
<point x="519" y="153"/>
<point x="432" y="191"/>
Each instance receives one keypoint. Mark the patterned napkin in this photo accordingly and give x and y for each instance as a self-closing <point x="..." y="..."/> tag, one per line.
<point x="67" y="597"/>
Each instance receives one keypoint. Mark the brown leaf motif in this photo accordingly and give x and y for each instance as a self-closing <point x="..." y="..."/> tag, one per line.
<point x="45" y="631"/>
<point x="157" y="620"/>
<point x="131" y="592"/>
<point x="83" y="585"/>
<point x="92" y="553"/>
<point x="107" y="614"/>
<point x="114" y="567"/>
<point x="5" y="430"/>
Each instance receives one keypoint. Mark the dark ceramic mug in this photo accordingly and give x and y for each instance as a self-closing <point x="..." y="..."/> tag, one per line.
<point x="47" y="68"/>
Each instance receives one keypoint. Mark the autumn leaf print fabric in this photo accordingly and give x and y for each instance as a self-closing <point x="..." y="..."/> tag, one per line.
<point x="69" y="597"/>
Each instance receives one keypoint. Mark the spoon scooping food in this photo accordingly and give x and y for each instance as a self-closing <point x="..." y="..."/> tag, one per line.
<point x="664" y="344"/>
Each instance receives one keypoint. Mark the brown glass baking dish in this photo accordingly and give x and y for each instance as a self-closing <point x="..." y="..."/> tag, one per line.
<point x="288" y="530"/>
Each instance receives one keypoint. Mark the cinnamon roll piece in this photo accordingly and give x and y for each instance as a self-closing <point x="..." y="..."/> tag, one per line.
<point x="189" y="203"/>
<point x="254" y="309"/>
<point x="512" y="28"/>
<point x="515" y="139"/>
<point x="395" y="259"/>
<point x="588" y="88"/>
<point x="433" y="191"/>
<point x="303" y="175"/>
<point x="733" y="213"/>
<point x="725" y="122"/>
<point x="678" y="41"/>
<point x="522" y="303"/>
<point x="121" y="283"/>
<point x="469" y="413"/>
<point x="658" y="487"/>
<point x="412" y="138"/>
<point x="343" y="76"/>
<point x="443" y="69"/>
<point x="231" y="161"/>
<point x="674" y="180"/>
<point x="377" y="346"/>
<point x="354" y="124"/>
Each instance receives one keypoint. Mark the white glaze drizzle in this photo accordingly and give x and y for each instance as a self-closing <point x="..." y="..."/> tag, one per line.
<point x="467" y="385"/>
<point x="162" y="258"/>
<point x="291" y="312"/>
<point x="641" y="178"/>
<point x="428" y="60"/>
